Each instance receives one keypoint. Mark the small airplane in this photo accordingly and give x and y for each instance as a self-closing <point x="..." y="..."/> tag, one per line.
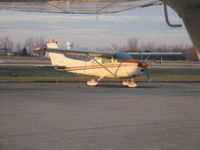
<point x="99" y="64"/>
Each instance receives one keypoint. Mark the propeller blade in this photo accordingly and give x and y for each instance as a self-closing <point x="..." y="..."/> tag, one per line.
<point x="147" y="74"/>
<point x="140" y="53"/>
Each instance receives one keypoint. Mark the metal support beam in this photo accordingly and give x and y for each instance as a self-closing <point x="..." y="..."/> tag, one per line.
<point x="167" y="18"/>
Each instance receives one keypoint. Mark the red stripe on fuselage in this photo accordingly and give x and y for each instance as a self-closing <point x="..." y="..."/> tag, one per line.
<point x="128" y="61"/>
<point x="140" y="63"/>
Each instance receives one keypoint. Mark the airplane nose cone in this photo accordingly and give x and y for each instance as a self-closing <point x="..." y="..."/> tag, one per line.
<point x="143" y="64"/>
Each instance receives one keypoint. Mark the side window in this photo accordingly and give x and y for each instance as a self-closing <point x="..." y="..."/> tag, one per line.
<point x="102" y="60"/>
<point x="106" y="60"/>
<point x="81" y="57"/>
<point x="98" y="59"/>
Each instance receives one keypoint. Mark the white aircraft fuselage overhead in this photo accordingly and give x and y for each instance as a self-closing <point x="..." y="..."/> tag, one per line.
<point x="188" y="10"/>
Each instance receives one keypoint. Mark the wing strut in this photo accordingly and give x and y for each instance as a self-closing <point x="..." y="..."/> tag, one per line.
<point x="108" y="5"/>
<point x="167" y="18"/>
<point x="105" y="68"/>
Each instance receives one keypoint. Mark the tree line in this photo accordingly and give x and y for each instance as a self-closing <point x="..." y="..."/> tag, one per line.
<point x="21" y="48"/>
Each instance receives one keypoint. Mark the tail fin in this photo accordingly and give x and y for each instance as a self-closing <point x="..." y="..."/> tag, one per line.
<point x="57" y="59"/>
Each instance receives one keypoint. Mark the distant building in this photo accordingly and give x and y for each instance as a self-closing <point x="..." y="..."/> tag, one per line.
<point x="159" y="55"/>
<point x="14" y="53"/>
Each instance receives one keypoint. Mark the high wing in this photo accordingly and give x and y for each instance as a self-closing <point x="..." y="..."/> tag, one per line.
<point x="89" y="53"/>
<point x="75" y="6"/>
<point x="81" y="52"/>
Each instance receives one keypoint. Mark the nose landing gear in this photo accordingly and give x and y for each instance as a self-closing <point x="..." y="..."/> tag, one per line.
<point x="92" y="82"/>
<point x="129" y="83"/>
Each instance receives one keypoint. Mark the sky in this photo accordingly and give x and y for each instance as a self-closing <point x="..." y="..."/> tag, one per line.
<point x="145" y="24"/>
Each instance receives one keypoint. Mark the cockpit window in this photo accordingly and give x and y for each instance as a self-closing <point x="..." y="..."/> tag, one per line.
<point x="81" y="57"/>
<point x="102" y="60"/>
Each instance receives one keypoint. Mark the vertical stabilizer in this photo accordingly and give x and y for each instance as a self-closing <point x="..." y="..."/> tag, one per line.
<point x="57" y="59"/>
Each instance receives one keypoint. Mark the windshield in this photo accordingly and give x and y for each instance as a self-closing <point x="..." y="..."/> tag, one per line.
<point x="123" y="56"/>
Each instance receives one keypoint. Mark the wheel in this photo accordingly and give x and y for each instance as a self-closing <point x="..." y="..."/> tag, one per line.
<point x="125" y="83"/>
<point x="92" y="82"/>
<point x="129" y="83"/>
<point x="132" y="84"/>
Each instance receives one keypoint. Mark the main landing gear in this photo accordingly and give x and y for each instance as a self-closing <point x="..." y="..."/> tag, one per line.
<point x="129" y="83"/>
<point x="92" y="82"/>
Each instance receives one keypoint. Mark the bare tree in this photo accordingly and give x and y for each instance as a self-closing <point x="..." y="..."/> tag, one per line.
<point x="148" y="46"/>
<point x="18" y="48"/>
<point x="132" y="44"/>
<point x="32" y="43"/>
<point x="29" y="44"/>
<point x="6" y="44"/>
<point x="39" y="42"/>
<point x="114" y="47"/>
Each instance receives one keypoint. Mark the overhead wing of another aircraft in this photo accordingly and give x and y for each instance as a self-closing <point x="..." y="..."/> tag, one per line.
<point x="188" y="10"/>
<point x="75" y="6"/>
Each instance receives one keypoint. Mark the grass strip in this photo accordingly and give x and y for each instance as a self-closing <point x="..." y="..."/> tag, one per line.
<point x="37" y="74"/>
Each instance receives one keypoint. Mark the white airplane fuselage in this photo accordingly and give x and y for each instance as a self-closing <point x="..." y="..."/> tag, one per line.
<point x="114" y="69"/>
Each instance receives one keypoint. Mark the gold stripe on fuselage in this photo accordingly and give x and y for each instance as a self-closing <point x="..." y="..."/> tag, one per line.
<point x="108" y="65"/>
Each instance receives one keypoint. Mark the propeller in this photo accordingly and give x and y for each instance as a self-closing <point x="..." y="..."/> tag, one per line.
<point x="144" y="65"/>
<point x="147" y="74"/>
